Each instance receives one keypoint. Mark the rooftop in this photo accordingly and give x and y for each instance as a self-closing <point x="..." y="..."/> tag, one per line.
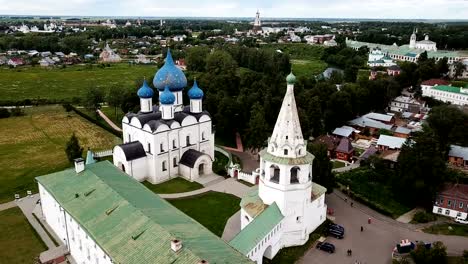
<point x="455" y="190"/>
<point x="367" y="122"/>
<point x="450" y="89"/>
<point x="254" y="232"/>
<point x="433" y="82"/>
<point x="252" y="204"/>
<point x="344" y="131"/>
<point x="459" y="152"/>
<point x="379" y="117"/>
<point x="391" y="142"/>
<point x="129" y="222"/>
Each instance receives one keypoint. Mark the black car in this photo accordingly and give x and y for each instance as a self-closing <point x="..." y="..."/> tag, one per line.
<point x="336" y="227"/>
<point x="325" y="246"/>
<point x="336" y="233"/>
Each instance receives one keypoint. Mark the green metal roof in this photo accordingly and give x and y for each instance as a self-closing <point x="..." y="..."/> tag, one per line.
<point x="131" y="223"/>
<point x="317" y="190"/>
<point x="450" y="89"/>
<point x="252" y="203"/>
<point x="307" y="159"/>
<point x="254" y="232"/>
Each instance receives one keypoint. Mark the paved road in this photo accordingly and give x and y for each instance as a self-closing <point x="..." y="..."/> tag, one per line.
<point x="375" y="244"/>
<point x="7" y="205"/>
<point x="108" y="121"/>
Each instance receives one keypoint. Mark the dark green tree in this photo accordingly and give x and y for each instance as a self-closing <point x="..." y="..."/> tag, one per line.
<point x="322" y="167"/>
<point x="196" y="58"/>
<point x="221" y="62"/>
<point x="442" y="67"/>
<point x="73" y="148"/>
<point x="258" y="130"/>
<point x="93" y="98"/>
<point x="460" y="67"/>
<point x="115" y="97"/>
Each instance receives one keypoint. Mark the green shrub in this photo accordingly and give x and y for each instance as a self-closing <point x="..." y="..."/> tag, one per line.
<point x="423" y="217"/>
<point x="4" y="113"/>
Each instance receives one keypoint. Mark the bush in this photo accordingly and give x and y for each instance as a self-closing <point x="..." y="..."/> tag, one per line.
<point x="424" y="217"/>
<point x="16" y="111"/>
<point x="4" y="113"/>
<point x="67" y="107"/>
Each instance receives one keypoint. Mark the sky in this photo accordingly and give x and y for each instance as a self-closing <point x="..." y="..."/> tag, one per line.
<point x="396" y="9"/>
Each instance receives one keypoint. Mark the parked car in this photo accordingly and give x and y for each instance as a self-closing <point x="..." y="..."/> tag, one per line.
<point x="325" y="246"/>
<point x="336" y="227"/>
<point x="461" y="220"/>
<point x="336" y="233"/>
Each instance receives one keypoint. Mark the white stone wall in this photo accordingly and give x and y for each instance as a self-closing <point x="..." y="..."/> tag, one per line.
<point x="82" y="247"/>
<point x="268" y="246"/>
<point x="448" y="212"/>
<point x="453" y="98"/>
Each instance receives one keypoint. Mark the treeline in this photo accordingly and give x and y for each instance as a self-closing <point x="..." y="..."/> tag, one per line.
<point x="448" y="36"/>
<point x="77" y="43"/>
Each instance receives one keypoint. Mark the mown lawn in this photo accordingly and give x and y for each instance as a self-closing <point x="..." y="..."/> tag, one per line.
<point x="308" y="68"/>
<point x="443" y="229"/>
<point x="365" y="187"/>
<point x="176" y="185"/>
<point x="64" y="84"/>
<point x="33" y="145"/>
<point x="211" y="209"/>
<point x="338" y="164"/>
<point x="19" y="242"/>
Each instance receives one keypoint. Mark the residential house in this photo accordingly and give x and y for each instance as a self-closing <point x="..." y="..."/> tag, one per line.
<point x="15" y="62"/>
<point x="393" y="70"/>
<point x="405" y="104"/>
<point x="389" y="142"/>
<point x="344" y="150"/>
<point x="3" y="60"/>
<point x="458" y="156"/>
<point x="452" y="201"/>
<point x="344" y="131"/>
<point x="385" y="118"/>
<point x="330" y="141"/>
<point x="402" y="132"/>
<point x="367" y="123"/>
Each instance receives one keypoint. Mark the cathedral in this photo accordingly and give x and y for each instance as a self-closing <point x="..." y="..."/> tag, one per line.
<point x="425" y="44"/>
<point x="170" y="139"/>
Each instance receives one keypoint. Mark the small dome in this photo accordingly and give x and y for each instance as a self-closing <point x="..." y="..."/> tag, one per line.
<point x="195" y="92"/>
<point x="166" y="97"/>
<point x="170" y="75"/>
<point x="145" y="91"/>
<point x="291" y="79"/>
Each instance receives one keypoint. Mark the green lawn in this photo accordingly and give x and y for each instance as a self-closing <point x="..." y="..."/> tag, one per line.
<point x="176" y="185"/>
<point x="19" y="242"/>
<point x="64" y="84"/>
<point x="338" y="164"/>
<point x="443" y="229"/>
<point x="308" y="68"/>
<point x="113" y="115"/>
<point x="364" y="186"/>
<point x="211" y="209"/>
<point x="220" y="163"/>
<point x="33" y="145"/>
<point x="358" y="152"/>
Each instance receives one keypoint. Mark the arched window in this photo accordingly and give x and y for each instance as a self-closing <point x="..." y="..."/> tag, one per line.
<point x="285" y="152"/>
<point x="187" y="140"/>
<point x="174" y="144"/>
<point x="294" y="176"/>
<point x="274" y="173"/>
<point x="164" y="166"/>
<point x="203" y="135"/>
<point x="174" y="162"/>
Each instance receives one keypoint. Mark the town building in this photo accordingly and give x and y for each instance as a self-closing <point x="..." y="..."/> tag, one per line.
<point x="319" y="39"/>
<point x="168" y="140"/>
<point x="330" y="141"/>
<point x="343" y="131"/>
<point x="287" y="206"/>
<point x="344" y="150"/>
<point x="458" y="156"/>
<point x="411" y="51"/>
<point x="394" y="70"/>
<point x="452" y="201"/>
<point x="390" y="143"/>
<point x="403" y="104"/>
<point x="108" y="55"/>
<point x="257" y="25"/>
<point x="377" y="58"/>
<point x="446" y="93"/>
<point x="463" y="75"/>
<point x="103" y="216"/>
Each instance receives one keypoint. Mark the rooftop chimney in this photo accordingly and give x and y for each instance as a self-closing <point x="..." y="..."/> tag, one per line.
<point x="79" y="165"/>
<point x="176" y="245"/>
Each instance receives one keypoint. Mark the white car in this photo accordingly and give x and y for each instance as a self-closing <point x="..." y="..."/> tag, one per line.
<point x="461" y="220"/>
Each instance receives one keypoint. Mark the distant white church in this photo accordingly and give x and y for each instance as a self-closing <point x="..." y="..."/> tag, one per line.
<point x="168" y="140"/>
<point x="108" y="55"/>
<point x="425" y="44"/>
<point x="287" y="206"/>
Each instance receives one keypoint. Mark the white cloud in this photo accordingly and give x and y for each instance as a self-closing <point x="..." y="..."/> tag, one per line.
<point x="411" y="9"/>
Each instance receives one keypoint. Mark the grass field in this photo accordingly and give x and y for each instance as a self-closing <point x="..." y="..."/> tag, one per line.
<point x="308" y="68"/>
<point x="373" y="193"/>
<point x="338" y="164"/>
<point x="64" y="84"/>
<point x="176" y="185"/>
<point x="211" y="209"/>
<point x="19" y="242"/>
<point x="33" y="145"/>
<point x="443" y="229"/>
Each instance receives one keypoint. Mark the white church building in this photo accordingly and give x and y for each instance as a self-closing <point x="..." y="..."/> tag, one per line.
<point x="287" y="206"/>
<point x="425" y="44"/>
<point x="168" y="140"/>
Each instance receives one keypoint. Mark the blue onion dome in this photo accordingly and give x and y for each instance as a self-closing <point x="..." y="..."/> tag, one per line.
<point x="291" y="79"/>
<point x="145" y="91"/>
<point x="170" y="75"/>
<point x="195" y="92"/>
<point x="166" y="97"/>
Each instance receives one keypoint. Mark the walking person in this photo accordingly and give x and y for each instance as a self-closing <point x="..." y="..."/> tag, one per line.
<point x="352" y="204"/>
<point x="362" y="228"/>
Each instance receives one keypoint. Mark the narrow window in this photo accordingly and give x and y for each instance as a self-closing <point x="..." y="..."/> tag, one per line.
<point x="164" y="166"/>
<point x="187" y="141"/>
<point x="294" y="176"/>
<point x="174" y="144"/>
<point x="161" y="147"/>
<point x="203" y="135"/>
<point x="174" y="162"/>
<point x="129" y="138"/>
<point x="285" y="152"/>
<point x="149" y="148"/>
